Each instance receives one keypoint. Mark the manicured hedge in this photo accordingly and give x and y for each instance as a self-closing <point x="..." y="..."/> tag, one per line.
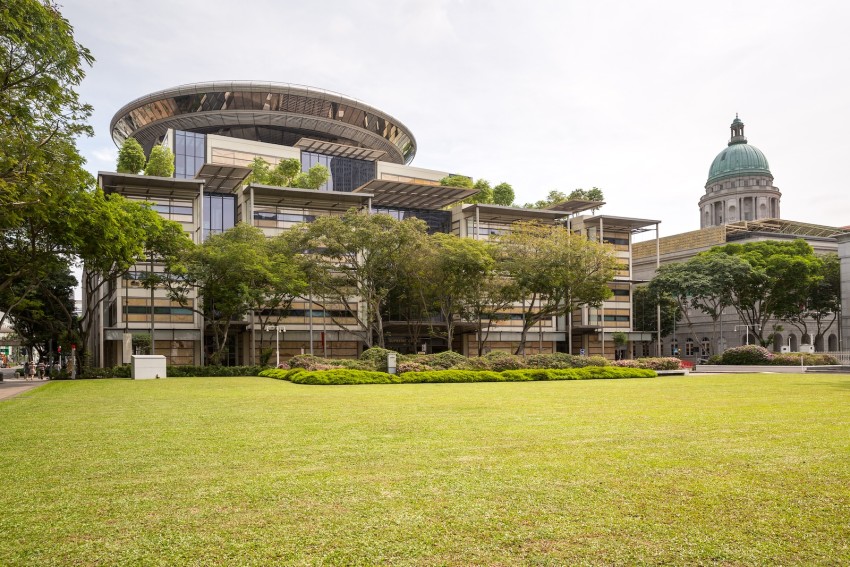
<point x="347" y="376"/>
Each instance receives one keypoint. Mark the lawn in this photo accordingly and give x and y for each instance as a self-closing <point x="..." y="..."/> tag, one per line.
<point x="729" y="470"/>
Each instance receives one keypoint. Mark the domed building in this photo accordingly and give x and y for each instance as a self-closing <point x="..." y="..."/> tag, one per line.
<point x="740" y="185"/>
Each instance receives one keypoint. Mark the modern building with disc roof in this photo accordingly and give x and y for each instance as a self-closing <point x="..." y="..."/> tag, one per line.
<point x="217" y="129"/>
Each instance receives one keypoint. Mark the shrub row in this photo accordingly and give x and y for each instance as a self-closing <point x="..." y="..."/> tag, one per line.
<point x="349" y="376"/>
<point x="758" y="355"/>
<point x="123" y="371"/>
<point x="662" y="363"/>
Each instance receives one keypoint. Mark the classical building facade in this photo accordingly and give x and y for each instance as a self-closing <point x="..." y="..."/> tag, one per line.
<point x="740" y="204"/>
<point x="215" y="131"/>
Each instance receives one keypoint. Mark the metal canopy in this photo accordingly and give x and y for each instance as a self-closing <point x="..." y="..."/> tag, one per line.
<point x="147" y="184"/>
<point x="501" y="213"/>
<point x="222" y="178"/>
<point x="306" y="198"/>
<point x="575" y="206"/>
<point x="413" y="195"/>
<point x="778" y="226"/>
<point x="621" y="223"/>
<point x="339" y="150"/>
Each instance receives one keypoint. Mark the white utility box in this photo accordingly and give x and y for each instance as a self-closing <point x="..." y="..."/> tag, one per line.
<point x="784" y="348"/>
<point x="807" y="348"/>
<point x="147" y="366"/>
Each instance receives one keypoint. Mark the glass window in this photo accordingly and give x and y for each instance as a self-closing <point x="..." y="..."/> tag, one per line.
<point x="219" y="213"/>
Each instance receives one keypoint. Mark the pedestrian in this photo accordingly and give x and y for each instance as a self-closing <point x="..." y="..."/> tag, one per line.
<point x="41" y="367"/>
<point x="26" y="370"/>
<point x="31" y="371"/>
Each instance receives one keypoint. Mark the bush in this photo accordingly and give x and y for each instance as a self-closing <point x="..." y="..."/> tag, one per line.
<point x="192" y="371"/>
<point x="453" y="375"/>
<point x="627" y="364"/>
<point x="377" y="357"/>
<point x="500" y="361"/>
<point x="346" y="376"/>
<point x="595" y="360"/>
<point x="442" y="360"/>
<point x="660" y="363"/>
<point x="793" y="359"/>
<point x="410" y="366"/>
<point x="342" y="376"/>
<point x="715" y="359"/>
<point x="555" y="360"/>
<point x="748" y="354"/>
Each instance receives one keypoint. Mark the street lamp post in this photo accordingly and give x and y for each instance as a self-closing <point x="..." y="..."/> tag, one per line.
<point x="747" y="327"/>
<point x="277" y="329"/>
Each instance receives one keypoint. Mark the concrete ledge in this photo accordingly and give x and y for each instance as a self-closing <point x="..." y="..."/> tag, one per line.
<point x="755" y="368"/>
<point x="679" y="372"/>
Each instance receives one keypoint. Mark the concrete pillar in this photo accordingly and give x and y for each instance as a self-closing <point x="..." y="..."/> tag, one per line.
<point x="844" y="257"/>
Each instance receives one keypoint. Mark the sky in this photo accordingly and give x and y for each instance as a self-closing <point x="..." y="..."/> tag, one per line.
<point x="635" y="98"/>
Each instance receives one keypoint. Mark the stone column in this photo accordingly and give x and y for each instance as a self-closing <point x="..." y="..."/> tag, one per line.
<point x="844" y="257"/>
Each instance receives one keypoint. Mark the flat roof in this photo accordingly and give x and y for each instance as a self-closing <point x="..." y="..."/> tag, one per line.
<point x="305" y="198"/>
<point x="786" y="227"/>
<point x="339" y="150"/>
<point x="574" y="206"/>
<point x="621" y="223"/>
<point x="147" y="184"/>
<point x="413" y="195"/>
<point x="222" y="178"/>
<point x="490" y="212"/>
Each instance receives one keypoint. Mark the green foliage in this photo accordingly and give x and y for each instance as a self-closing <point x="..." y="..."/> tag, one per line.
<point x="747" y="354"/>
<point x="131" y="157"/>
<point x="351" y="377"/>
<point x="808" y="359"/>
<point x="652" y="363"/>
<point x="457" y="181"/>
<point x="377" y="356"/>
<point x="160" y="162"/>
<point x="124" y="371"/>
<point x="553" y="271"/>
<point x="500" y="361"/>
<point x="503" y="194"/>
<point x="373" y="248"/>
<point x="442" y="360"/>
<point x="313" y="178"/>
<point x="620" y="338"/>
<point x="485" y="192"/>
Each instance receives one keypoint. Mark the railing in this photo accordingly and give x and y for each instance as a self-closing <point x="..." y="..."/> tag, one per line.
<point x="842" y="356"/>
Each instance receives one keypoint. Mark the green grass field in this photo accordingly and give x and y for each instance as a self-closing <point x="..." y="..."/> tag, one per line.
<point x="728" y="470"/>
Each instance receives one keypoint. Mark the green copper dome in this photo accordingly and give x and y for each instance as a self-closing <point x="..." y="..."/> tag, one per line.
<point x="739" y="158"/>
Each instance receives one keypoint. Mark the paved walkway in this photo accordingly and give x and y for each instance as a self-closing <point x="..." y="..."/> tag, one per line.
<point x="12" y="387"/>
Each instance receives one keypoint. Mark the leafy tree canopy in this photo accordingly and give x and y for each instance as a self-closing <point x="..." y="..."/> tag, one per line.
<point x="131" y="157"/>
<point x="161" y="162"/>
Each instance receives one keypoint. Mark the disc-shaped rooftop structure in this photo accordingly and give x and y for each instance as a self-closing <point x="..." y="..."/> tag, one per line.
<point x="278" y="113"/>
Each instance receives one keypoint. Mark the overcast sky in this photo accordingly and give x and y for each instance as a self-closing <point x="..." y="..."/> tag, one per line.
<point x="633" y="97"/>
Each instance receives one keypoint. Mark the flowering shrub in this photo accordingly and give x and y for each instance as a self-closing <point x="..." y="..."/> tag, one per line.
<point x="626" y="364"/>
<point x="410" y="366"/>
<point x="660" y="363"/>
<point x="500" y="361"/>
<point x="748" y="354"/>
<point x="442" y="360"/>
<point x="793" y="359"/>
<point x="555" y="360"/>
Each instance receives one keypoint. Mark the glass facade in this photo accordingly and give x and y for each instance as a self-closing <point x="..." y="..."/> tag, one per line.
<point x="219" y="213"/>
<point x="189" y="153"/>
<point x="437" y="221"/>
<point x="347" y="174"/>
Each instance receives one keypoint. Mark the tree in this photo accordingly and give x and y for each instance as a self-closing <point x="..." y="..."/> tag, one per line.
<point x="40" y="67"/>
<point x="131" y="157"/>
<point x="457" y="268"/>
<point x="704" y="283"/>
<point x="645" y="312"/>
<point x="112" y="235"/>
<point x="287" y="173"/>
<point x="457" y="181"/>
<point x="556" y="197"/>
<point x="822" y="299"/>
<point x="503" y="194"/>
<point x="778" y="282"/>
<point x="484" y="195"/>
<point x="160" y="162"/>
<point x="354" y="261"/>
<point x="231" y="272"/>
<point x="553" y="271"/>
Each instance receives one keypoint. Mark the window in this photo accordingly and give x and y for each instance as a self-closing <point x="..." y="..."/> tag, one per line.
<point x="347" y="174"/>
<point x="219" y="213"/>
<point x="689" y="347"/>
<point x="706" y="347"/>
<point x="674" y="347"/>
<point x="189" y="153"/>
